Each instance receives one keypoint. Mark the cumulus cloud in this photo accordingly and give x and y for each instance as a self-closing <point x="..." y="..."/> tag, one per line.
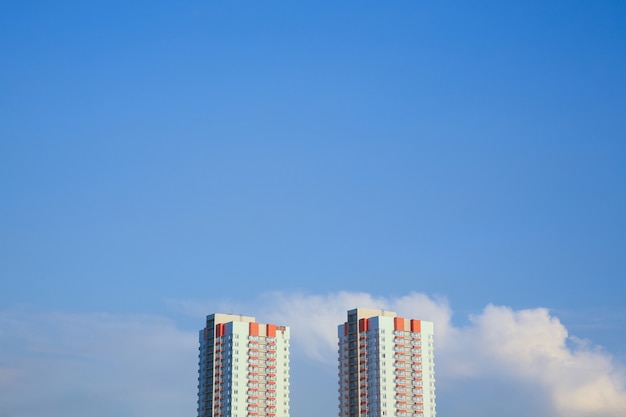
<point x="532" y="345"/>
<point x="314" y="318"/>
<point x="503" y="362"/>
<point x="529" y="350"/>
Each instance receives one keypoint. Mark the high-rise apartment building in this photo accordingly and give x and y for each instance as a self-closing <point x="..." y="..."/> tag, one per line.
<point x="386" y="366"/>
<point x="243" y="368"/>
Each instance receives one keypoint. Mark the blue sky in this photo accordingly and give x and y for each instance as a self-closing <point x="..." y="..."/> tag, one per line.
<point x="161" y="155"/>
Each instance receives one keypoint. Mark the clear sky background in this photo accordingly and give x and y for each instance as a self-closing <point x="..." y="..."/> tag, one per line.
<point x="163" y="160"/>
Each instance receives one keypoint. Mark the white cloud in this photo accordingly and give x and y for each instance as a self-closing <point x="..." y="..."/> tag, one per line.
<point x="504" y="362"/>
<point x="528" y="349"/>
<point x="531" y="345"/>
<point x="314" y="318"/>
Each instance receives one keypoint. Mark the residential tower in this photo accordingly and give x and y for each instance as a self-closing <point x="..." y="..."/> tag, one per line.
<point x="243" y="368"/>
<point x="386" y="366"/>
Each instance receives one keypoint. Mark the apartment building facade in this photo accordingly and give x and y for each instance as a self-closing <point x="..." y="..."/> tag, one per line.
<point x="386" y="366"/>
<point x="243" y="368"/>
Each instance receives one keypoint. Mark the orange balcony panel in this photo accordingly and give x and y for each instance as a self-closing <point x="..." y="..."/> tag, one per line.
<point x="416" y="326"/>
